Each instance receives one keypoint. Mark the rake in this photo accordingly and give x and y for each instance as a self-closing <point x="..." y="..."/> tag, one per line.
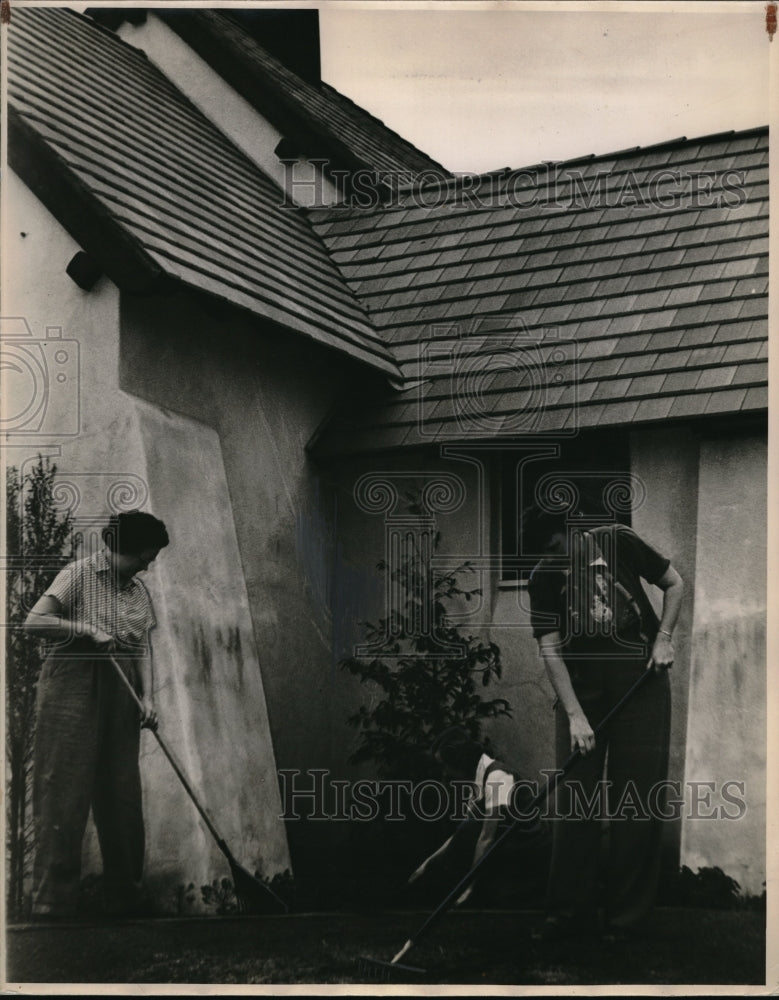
<point x="394" y="971"/>
<point x="251" y="895"/>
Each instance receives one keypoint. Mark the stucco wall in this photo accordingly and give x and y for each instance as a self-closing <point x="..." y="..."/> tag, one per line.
<point x="210" y="688"/>
<point x="249" y="130"/>
<point x="694" y="512"/>
<point x="467" y="534"/>
<point x="706" y="509"/>
<point x="666" y="461"/>
<point x="726" y="723"/>
<point x="138" y="455"/>
<point x="264" y="393"/>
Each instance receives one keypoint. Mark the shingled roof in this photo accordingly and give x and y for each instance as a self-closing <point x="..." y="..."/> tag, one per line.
<point x="320" y="118"/>
<point x="152" y="190"/>
<point x="603" y="291"/>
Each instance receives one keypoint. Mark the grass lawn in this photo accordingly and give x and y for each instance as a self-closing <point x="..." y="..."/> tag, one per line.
<point x="681" y="947"/>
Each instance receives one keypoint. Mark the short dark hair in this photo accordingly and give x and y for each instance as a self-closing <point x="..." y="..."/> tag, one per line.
<point x="456" y="747"/>
<point x="135" y="531"/>
<point x="538" y="525"/>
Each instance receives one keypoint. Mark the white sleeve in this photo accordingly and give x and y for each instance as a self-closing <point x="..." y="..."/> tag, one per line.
<point x="497" y="789"/>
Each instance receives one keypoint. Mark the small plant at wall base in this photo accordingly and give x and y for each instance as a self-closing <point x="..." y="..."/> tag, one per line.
<point x="710" y="888"/>
<point x="219" y="895"/>
<point x="37" y="536"/>
<point x="423" y="690"/>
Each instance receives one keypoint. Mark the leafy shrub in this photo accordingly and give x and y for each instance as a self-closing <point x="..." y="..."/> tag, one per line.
<point x="37" y="535"/>
<point x="424" y="689"/>
<point x="219" y="895"/>
<point x="710" y="888"/>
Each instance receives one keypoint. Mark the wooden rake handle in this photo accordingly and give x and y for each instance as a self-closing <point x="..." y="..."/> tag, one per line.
<point x="171" y="759"/>
<point x="551" y="783"/>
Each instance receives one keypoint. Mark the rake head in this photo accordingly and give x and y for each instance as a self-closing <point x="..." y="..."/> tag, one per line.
<point x="252" y="895"/>
<point x="375" y="971"/>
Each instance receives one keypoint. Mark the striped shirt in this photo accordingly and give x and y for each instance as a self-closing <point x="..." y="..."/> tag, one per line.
<point x="89" y="591"/>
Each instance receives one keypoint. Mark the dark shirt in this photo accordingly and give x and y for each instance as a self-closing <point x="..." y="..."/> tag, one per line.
<point x="628" y="624"/>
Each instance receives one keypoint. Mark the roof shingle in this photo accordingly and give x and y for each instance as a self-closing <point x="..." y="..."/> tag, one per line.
<point x="655" y="299"/>
<point x="163" y="178"/>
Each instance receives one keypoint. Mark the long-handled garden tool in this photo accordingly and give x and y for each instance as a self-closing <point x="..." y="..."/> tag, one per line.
<point x="375" y="968"/>
<point x="252" y="895"/>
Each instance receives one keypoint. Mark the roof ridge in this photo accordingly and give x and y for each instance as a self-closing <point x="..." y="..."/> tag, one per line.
<point x="677" y="142"/>
<point x="358" y="138"/>
<point x="465" y="177"/>
<point x="388" y="128"/>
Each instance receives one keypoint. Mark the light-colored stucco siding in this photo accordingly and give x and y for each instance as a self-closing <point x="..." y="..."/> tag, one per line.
<point x="264" y="393"/>
<point x="207" y="678"/>
<point x="726" y="720"/>
<point x="243" y="124"/>
<point x="665" y="461"/>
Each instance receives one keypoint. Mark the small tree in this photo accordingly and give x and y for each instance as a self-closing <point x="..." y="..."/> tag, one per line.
<point x="425" y="690"/>
<point x="37" y="534"/>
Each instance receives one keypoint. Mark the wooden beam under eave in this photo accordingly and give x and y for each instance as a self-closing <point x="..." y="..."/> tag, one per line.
<point x="78" y="210"/>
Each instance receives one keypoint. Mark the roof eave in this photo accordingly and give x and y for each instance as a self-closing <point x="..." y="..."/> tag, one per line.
<point x="327" y="451"/>
<point x="120" y="256"/>
<point x="77" y="209"/>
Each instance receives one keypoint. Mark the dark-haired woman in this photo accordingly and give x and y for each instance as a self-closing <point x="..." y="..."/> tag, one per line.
<point x="88" y="726"/>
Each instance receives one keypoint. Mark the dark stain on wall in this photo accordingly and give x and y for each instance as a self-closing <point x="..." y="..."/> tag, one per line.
<point x="203" y="653"/>
<point x="235" y="650"/>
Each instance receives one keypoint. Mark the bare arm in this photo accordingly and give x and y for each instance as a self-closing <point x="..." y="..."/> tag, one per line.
<point x="146" y="681"/>
<point x="419" y="872"/>
<point x="47" y="621"/>
<point x="582" y="735"/>
<point x="672" y="586"/>
<point x="489" y="829"/>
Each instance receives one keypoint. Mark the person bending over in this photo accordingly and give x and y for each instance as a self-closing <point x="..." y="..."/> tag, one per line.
<point x="597" y="632"/>
<point x="495" y="800"/>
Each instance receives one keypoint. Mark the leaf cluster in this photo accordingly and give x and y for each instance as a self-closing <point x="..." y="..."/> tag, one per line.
<point x="428" y="673"/>
<point x="219" y="895"/>
<point x="38" y="537"/>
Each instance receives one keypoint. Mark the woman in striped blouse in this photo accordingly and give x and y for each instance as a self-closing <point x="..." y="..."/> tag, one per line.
<point x="88" y="726"/>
